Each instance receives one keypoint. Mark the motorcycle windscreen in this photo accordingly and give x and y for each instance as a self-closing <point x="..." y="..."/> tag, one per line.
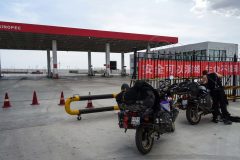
<point x="165" y="105"/>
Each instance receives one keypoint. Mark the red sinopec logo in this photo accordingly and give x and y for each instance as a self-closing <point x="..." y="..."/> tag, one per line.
<point x="10" y="27"/>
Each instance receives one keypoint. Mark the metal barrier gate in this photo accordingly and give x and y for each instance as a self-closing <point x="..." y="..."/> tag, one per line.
<point x="157" y="67"/>
<point x="92" y="110"/>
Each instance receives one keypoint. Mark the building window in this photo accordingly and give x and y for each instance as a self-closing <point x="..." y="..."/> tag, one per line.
<point x="203" y="55"/>
<point x="211" y="55"/>
<point x="198" y="55"/>
<point x="178" y="56"/>
<point x="223" y="55"/>
<point x="190" y="53"/>
<point x="170" y="56"/>
<point x="185" y="56"/>
<point x="216" y="55"/>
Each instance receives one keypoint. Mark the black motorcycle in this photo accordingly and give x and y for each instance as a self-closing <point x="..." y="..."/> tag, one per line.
<point x="195" y="99"/>
<point x="149" y="124"/>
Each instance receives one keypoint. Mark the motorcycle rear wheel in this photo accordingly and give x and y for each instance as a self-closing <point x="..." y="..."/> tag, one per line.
<point x="144" y="139"/>
<point x="192" y="114"/>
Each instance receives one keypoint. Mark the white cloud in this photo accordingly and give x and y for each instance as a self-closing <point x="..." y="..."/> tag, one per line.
<point x="22" y="12"/>
<point x="159" y="1"/>
<point x="200" y="7"/>
<point x="158" y="17"/>
<point x="227" y="8"/>
<point x="228" y="13"/>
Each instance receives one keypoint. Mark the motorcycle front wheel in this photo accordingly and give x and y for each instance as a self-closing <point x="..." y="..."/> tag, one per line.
<point x="192" y="114"/>
<point x="144" y="139"/>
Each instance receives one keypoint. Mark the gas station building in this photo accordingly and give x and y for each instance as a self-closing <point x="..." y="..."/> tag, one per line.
<point x="21" y="36"/>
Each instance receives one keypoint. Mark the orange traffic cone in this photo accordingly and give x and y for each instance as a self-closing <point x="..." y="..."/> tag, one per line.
<point x="89" y="104"/>
<point x="34" y="100"/>
<point x="6" y="101"/>
<point x="62" y="101"/>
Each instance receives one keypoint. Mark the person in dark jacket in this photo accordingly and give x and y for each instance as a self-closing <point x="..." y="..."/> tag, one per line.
<point x="214" y="84"/>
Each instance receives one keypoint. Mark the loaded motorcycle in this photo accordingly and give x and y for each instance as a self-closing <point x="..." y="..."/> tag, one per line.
<point x="149" y="123"/>
<point x="195" y="99"/>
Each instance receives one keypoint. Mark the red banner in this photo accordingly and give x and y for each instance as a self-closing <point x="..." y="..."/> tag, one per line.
<point x="148" y="69"/>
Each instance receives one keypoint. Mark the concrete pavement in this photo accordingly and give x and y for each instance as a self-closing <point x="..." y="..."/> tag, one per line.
<point x="48" y="132"/>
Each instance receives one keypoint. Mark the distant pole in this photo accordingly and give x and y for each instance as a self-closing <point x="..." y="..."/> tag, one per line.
<point x="55" y="63"/>
<point x="234" y="80"/>
<point x="48" y="64"/>
<point x="123" y="71"/>
<point x="134" y="66"/>
<point x="90" y="71"/>
<point x="107" y="60"/>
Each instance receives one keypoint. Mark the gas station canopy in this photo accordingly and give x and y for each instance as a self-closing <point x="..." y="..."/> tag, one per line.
<point x="39" y="37"/>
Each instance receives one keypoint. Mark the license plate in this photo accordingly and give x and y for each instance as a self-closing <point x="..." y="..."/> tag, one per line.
<point x="135" y="121"/>
<point x="184" y="102"/>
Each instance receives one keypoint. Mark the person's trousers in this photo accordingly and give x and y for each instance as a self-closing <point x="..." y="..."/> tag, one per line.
<point x="219" y="102"/>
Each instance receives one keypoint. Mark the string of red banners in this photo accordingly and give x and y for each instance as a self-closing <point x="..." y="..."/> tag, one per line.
<point x="148" y="68"/>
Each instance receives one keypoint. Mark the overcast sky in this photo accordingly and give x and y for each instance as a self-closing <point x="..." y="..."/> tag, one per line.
<point x="191" y="21"/>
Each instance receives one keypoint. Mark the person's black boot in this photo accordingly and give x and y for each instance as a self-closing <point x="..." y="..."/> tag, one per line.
<point x="215" y="120"/>
<point x="220" y="119"/>
<point x="227" y="121"/>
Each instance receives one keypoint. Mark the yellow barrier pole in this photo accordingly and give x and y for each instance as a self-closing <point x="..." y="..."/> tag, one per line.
<point x="85" y="111"/>
<point x="67" y="105"/>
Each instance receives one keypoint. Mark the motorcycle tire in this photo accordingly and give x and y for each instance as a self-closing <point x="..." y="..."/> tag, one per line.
<point x="144" y="139"/>
<point x="192" y="114"/>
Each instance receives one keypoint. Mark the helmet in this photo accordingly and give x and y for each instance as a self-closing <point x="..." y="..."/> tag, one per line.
<point x="124" y="86"/>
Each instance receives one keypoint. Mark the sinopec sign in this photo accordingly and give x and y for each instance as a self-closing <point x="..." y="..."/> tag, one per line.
<point x="10" y="27"/>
